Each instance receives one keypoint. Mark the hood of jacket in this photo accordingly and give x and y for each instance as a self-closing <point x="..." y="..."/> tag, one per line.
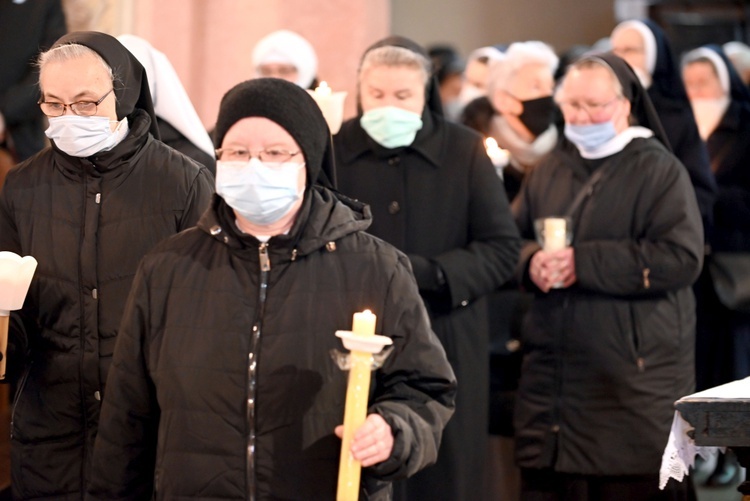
<point x="325" y="216"/>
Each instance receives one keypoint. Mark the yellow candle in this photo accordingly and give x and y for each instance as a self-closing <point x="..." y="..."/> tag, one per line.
<point x="555" y="234"/>
<point x="355" y="411"/>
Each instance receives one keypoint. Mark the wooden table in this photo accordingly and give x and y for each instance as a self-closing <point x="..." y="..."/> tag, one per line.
<point x="721" y="418"/>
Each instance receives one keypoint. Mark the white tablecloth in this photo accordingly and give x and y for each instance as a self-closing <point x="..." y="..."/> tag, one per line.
<point x="679" y="455"/>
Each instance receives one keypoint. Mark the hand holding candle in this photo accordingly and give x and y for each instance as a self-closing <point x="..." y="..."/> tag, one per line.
<point x="331" y="105"/>
<point x="15" y="279"/>
<point x="554" y="267"/>
<point x="362" y="342"/>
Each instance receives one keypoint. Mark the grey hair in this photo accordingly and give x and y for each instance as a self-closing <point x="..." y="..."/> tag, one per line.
<point x="396" y="56"/>
<point x="518" y="55"/>
<point x="69" y="52"/>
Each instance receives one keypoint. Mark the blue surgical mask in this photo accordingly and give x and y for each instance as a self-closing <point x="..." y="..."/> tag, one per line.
<point x="592" y="136"/>
<point x="82" y="137"/>
<point x="390" y="126"/>
<point x="261" y="192"/>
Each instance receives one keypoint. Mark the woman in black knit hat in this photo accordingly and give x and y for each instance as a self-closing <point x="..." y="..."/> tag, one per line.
<point x="222" y="385"/>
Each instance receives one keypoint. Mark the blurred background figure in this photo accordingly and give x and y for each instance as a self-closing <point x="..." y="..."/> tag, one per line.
<point x="521" y="111"/>
<point x="176" y="117"/>
<point x="645" y="47"/>
<point x="520" y="91"/>
<point x="739" y="54"/>
<point x="568" y="57"/>
<point x="285" y="54"/>
<point x="26" y="28"/>
<point x="721" y="103"/>
<point x="448" y="67"/>
<point x="474" y="84"/>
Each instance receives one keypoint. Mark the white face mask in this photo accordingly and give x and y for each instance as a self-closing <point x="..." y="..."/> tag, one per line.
<point x="708" y="113"/>
<point x="261" y="192"/>
<point x="85" y="136"/>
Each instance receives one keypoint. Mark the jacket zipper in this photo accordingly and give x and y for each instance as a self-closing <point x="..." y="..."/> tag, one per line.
<point x="82" y="344"/>
<point x="252" y="364"/>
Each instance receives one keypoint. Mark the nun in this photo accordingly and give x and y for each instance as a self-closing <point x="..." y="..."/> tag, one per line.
<point x="721" y="103"/>
<point x="88" y="208"/>
<point x="222" y="385"/>
<point x="646" y="48"/>
<point x="287" y="55"/>
<point x="179" y="124"/>
<point x="609" y="340"/>
<point x="435" y="196"/>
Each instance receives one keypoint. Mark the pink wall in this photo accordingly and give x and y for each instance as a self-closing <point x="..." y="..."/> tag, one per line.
<point x="210" y="43"/>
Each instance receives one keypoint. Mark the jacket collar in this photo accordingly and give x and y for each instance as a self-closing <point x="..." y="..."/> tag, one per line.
<point x="429" y="141"/>
<point x="120" y="158"/>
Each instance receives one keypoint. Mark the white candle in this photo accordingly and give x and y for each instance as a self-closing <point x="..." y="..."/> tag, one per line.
<point x="498" y="155"/>
<point x="15" y="279"/>
<point x="555" y="234"/>
<point x="331" y="105"/>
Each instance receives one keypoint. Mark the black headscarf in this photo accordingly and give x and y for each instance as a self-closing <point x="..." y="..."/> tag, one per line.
<point x="666" y="78"/>
<point x="640" y="104"/>
<point x="131" y="85"/>
<point x="432" y="92"/>
<point x="738" y="91"/>
<point x="293" y="109"/>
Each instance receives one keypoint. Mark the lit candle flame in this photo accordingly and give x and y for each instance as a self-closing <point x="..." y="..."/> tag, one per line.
<point x="323" y="89"/>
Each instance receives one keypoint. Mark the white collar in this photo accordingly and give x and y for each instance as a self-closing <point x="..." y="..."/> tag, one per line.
<point x="617" y="143"/>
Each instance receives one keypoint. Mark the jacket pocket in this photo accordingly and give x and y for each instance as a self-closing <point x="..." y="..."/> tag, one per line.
<point x="19" y="393"/>
<point x="635" y="340"/>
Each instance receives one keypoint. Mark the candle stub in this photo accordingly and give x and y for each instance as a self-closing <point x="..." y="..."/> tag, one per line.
<point x="555" y="234"/>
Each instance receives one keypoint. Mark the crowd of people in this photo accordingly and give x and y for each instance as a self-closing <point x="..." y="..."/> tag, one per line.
<point x="176" y="340"/>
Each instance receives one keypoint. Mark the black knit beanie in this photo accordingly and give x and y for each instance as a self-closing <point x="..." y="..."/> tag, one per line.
<point x="293" y="109"/>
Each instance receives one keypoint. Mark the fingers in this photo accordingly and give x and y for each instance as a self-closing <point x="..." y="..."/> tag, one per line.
<point x="373" y="441"/>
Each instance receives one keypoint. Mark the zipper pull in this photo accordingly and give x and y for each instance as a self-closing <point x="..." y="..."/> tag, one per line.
<point x="265" y="263"/>
<point x="646" y="281"/>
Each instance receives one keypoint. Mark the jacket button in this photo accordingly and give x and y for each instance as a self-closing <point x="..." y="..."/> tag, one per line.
<point x="394" y="207"/>
<point x="394" y="160"/>
<point x="555" y="428"/>
<point x="95" y="294"/>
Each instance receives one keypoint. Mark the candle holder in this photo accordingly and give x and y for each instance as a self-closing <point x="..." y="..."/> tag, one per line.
<point x="366" y="354"/>
<point x="15" y="279"/>
<point x="331" y="104"/>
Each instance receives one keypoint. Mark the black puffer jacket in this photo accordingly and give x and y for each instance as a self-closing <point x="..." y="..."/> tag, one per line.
<point x="88" y="222"/>
<point x="606" y="358"/>
<point x="223" y="386"/>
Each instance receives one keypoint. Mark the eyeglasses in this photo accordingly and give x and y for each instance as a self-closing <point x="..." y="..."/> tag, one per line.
<point x="81" y="108"/>
<point x="273" y="155"/>
<point x="591" y="109"/>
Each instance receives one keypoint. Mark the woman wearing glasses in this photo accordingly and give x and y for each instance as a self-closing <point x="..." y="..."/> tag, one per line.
<point x="609" y="341"/>
<point x="87" y="208"/>
<point x="222" y="385"/>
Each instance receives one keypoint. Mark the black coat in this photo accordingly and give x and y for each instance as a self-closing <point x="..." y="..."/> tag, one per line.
<point x="26" y="28"/>
<point x="88" y="222"/>
<point x="606" y="358"/>
<point x="441" y="202"/>
<point x="202" y="314"/>
<point x="729" y="147"/>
